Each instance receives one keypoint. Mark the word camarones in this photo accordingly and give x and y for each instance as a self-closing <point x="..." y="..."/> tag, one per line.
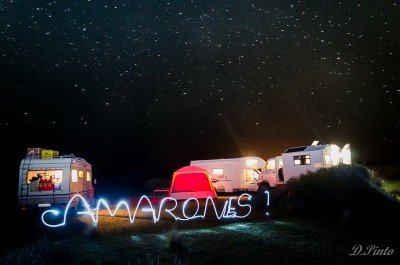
<point x="145" y="206"/>
<point x="372" y="250"/>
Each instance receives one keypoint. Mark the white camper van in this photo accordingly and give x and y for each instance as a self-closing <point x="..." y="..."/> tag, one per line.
<point x="232" y="174"/>
<point x="298" y="160"/>
<point x="47" y="179"/>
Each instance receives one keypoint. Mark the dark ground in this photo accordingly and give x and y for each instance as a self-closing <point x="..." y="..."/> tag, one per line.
<point x="279" y="238"/>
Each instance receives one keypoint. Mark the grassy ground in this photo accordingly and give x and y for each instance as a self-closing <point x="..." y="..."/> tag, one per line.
<point x="365" y="233"/>
<point x="257" y="239"/>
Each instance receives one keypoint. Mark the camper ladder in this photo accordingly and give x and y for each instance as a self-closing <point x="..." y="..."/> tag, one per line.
<point x="24" y="174"/>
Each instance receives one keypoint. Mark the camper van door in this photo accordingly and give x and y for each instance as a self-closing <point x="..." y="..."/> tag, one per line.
<point x="249" y="178"/>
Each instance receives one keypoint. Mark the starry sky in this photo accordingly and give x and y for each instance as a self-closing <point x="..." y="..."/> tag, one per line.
<point x="148" y="86"/>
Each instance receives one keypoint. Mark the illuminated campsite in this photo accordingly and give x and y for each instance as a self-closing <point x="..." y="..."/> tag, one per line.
<point x="200" y="132"/>
<point x="188" y="222"/>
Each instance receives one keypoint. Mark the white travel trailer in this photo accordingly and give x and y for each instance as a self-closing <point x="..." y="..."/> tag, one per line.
<point x="232" y="174"/>
<point x="47" y="179"/>
<point x="298" y="160"/>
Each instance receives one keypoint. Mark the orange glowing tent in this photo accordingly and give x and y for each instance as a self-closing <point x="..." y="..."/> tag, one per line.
<point x="191" y="182"/>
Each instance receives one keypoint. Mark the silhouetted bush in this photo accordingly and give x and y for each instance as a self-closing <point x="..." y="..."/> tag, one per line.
<point x="328" y="191"/>
<point x="39" y="252"/>
<point x="175" y="238"/>
<point x="395" y="194"/>
<point x="35" y="253"/>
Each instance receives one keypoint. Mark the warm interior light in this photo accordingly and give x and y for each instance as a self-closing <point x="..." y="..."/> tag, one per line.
<point x="270" y="164"/>
<point x="346" y="155"/>
<point x="251" y="162"/>
<point x="335" y="155"/>
<point x="328" y="160"/>
<point x="218" y="171"/>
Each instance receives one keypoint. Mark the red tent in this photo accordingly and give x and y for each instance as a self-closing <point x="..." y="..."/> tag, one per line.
<point x="191" y="182"/>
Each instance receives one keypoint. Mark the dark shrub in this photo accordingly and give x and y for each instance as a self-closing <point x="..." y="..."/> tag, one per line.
<point x="39" y="252"/>
<point x="327" y="191"/>
<point x="175" y="238"/>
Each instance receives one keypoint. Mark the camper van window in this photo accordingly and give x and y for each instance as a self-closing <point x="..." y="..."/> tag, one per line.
<point x="88" y="176"/>
<point x="37" y="175"/>
<point x="251" y="174"/>
<point x="218" y="171"/>
<point x="74" y="175"/>
<point x="53" y="175"/>
<point x="251" y="162"/>
<point x="32" y="176"/>
<point x="33" y="180"/>
<point x="58" y="179"/>
<point x="302" y="160"/>
<point x="328" y="160"/>
<point x="81" y="174"/>
<point x="270" y="164"/>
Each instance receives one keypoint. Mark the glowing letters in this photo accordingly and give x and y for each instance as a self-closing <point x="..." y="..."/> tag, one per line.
<point x="144" y="205"/>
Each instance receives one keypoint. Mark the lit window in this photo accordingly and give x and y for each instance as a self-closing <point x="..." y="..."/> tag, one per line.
<point x="335" y="155"/>
<point x="58" y="179"/>
<point x="270" y="164"/>
<point x="218" y="171"/>
<point x="302" y="160"/>
<point x="328" y="160"/>
<point x="251" y="162"/>
<point x="88" y="176"/>
<point x="74" y="175"/>
<point x="58" y="176"/>
<point x="34" y="175"/>
<point x="81" y="174"/>
<point x="346" y="156"/>
<point x="251" y="174"/>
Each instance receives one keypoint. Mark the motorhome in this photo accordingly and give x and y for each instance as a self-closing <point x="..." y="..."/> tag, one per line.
<point x="299" y="160"/>
<point x="232" y="174"/>
<point x="47" y="179"/>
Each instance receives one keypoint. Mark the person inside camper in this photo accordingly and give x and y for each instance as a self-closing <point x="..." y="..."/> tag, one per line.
<point x="33" y="186"/>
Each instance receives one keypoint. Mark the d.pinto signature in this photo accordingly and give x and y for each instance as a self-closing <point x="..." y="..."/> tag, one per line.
<point x="374" y="250"/>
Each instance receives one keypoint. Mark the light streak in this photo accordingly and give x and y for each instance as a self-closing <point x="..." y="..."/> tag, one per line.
<point x="267" y="192"/>
<point x="145" y="206"/>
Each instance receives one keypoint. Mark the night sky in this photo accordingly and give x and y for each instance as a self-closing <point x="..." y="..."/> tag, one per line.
<point x="148" y="86"/>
